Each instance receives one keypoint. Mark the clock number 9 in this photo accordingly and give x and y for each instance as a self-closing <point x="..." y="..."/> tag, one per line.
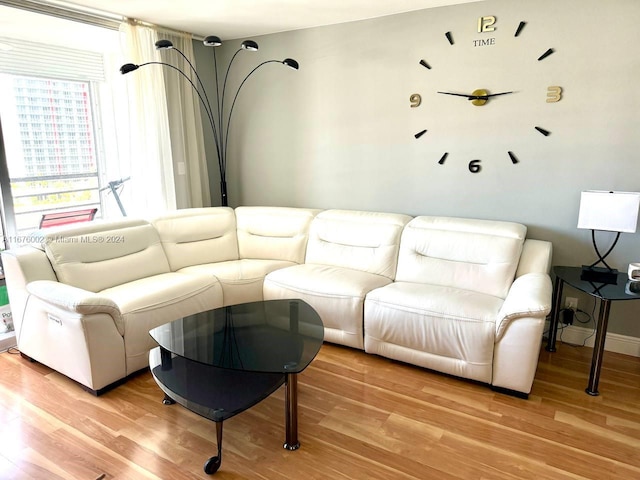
<point x="474" y="166"/>
<point x="415" y="100"/>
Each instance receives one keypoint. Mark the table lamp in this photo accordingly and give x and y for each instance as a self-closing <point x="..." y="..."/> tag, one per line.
<point x="611" y="212"/>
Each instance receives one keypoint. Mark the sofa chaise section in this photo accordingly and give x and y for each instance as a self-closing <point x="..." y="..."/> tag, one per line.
<point x="349" y="253"/>
<point x="454" y="301"/>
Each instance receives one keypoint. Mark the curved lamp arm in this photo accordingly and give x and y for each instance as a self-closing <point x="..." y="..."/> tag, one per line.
<point x="130" y="67"/>
<point x="289" y="62"/>
<point x="251" y="46"/>
<point x="167" y="45"/>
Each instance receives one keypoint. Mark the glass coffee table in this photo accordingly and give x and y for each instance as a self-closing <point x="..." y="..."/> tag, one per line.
<point x="221" y="362"/>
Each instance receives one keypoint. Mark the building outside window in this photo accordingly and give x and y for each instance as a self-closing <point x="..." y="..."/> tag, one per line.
<point x="63" y="120"/>
<point x="52" y="156"/>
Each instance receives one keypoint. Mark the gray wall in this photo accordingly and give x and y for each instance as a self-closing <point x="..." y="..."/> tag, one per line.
<point x="339" y="132"/>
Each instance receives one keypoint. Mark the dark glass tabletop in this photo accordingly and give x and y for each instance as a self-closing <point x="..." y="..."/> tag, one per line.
<point x="274" y="336"/>
<point x="623" y="289"/>
<point x="221" y="362"/>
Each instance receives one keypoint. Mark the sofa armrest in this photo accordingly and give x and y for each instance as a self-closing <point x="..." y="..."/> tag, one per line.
<point x="529" y="296"/>
<point x="75" y="300"/>
<point x="535" y="257"/>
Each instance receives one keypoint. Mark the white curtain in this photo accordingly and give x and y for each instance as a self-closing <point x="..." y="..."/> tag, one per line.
<point x="185" y="124"/>
<point x="166" y="147"/>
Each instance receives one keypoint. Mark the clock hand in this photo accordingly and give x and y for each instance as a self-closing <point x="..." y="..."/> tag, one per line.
<point x="494" y="94"/>
<point x="456" y="94"/>
<point x="475" y="97"/>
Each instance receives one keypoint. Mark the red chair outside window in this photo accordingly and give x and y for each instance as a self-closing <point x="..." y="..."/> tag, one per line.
<point x="64" y="218"/>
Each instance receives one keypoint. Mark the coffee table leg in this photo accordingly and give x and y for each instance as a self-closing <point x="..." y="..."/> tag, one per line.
<point x="291" y="412"/>
<point x="213" y="464"/>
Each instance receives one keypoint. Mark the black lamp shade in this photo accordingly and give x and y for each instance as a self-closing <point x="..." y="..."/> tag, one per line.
<point x="250" y="45"/>
<point x="128" y="67"/>
<point x="290" y="62"/>
<point x="212" y="41"/>
<point x="161" y="44"/>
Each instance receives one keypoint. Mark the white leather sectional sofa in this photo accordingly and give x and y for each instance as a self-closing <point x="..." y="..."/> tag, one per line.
<point x="461" y="296"/>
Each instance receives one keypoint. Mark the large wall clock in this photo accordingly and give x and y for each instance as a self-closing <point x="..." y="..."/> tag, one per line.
<point x="481" y="92"/>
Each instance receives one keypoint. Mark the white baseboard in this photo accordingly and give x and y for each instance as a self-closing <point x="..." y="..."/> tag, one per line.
<point x="613" y="343"/>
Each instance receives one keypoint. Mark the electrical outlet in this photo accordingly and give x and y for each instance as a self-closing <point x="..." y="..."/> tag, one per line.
<point x="571" y="303"/>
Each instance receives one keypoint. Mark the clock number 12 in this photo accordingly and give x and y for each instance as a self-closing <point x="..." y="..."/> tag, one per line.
<point x="486" y="24"/>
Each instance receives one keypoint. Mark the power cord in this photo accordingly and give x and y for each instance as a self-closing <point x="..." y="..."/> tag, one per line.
<point x="587" y="318"/>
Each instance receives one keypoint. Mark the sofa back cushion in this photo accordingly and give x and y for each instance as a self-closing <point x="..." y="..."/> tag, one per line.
<point x="196" y="236"/>
<point x="273" y="233"/>
<point x="477" y="255"/>
<point x="366" y="241"/>
<point x="98" y="255"/>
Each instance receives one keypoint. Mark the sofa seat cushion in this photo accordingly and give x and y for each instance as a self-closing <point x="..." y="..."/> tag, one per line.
<point x="443" y="328"/>
<point x="241" y="280"/>
<point x="149" y="302"/>
<point x="336" y="293"/>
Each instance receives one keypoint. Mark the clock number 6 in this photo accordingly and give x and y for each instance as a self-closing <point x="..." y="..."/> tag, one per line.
<point x="474" y="166"/>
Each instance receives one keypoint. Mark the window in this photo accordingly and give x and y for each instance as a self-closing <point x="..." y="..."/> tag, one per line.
<point x="48" y="169"/>
<point x="58" y="123"/>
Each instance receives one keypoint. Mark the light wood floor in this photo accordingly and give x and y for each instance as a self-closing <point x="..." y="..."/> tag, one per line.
<point x="361" y="417"/>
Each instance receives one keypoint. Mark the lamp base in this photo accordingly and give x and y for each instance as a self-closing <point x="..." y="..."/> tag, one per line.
<point x="599" y="274"/>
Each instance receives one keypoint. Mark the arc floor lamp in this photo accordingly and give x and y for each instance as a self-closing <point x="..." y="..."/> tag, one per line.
<point x="216" y="118"/>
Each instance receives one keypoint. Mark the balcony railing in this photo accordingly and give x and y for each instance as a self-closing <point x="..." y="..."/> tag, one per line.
<point x="37" y="195"/>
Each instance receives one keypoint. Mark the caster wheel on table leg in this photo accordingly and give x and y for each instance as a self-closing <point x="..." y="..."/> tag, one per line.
<point x="167" y="400"/>
<point x="212" y="465"/>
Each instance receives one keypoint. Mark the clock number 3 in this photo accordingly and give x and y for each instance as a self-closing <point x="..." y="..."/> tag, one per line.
<point x="554" y="94"/>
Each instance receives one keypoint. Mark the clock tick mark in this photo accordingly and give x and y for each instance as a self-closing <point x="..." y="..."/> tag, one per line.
<point x="519" y="29"/>
<point x="419" y="134"/>
<point x="544" y="132"/>
<point x="546" y="54"/>
<point x="449" y="38"/>
<point x="513" y="158"/>
<point x="443" y="158"/>
<point x="425" y="64"/>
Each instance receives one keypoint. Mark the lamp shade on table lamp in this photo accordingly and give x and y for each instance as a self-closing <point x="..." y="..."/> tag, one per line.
<point x="607" y="211"/>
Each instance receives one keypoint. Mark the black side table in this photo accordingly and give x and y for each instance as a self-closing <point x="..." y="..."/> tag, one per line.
<point x="606" y="293"/>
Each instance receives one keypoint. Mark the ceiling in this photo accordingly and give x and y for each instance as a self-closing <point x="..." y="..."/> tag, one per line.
<point x="230" y="19"/>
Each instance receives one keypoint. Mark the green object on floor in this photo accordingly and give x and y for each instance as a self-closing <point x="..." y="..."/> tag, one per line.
<point x="4" y="296"/>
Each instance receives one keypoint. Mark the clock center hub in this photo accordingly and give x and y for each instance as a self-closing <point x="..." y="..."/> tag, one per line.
<point x="480" y="92"/>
